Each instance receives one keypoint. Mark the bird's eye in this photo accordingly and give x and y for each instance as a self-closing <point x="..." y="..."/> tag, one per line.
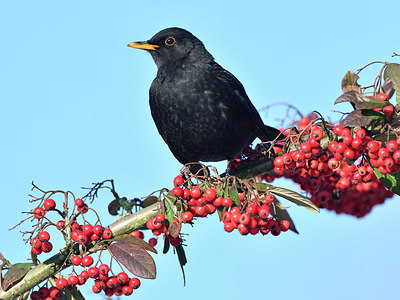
<point x="170" y="41"/>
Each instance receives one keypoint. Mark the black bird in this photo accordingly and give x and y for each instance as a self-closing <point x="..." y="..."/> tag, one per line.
<point x="200" y="109"/>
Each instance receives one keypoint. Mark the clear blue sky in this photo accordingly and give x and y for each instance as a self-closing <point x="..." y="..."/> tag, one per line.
<point x="74" y="110"/>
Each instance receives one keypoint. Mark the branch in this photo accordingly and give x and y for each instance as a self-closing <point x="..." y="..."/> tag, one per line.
<point x="52" y="265"/>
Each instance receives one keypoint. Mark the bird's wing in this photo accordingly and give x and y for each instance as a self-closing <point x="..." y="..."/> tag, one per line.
<point x="246" y="113"/>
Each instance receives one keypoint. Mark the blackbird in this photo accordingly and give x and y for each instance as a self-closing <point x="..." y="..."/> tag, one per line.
<point x="200" y="109"/>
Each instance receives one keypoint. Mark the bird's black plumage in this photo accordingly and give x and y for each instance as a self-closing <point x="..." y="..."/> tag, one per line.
<point x="200" y="109"/>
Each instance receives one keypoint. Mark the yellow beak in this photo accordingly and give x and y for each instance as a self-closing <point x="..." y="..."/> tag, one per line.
<point x="143" y="45"/>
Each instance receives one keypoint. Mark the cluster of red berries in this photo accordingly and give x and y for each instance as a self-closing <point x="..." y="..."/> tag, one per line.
<point x="45" y="293"/>
<point x="82" y="234"/>
<point x="331" y="177"/>
<point x="117" y="285"/>
<point x="40" y="212"/>
<point x="254" y="219"/>
<point x="157" y="226"/>
<point x="247" y="219"/>
<point x="41" y="243"/>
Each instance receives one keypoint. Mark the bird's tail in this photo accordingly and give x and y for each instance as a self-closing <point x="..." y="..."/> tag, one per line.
<point x="272" y="133"/>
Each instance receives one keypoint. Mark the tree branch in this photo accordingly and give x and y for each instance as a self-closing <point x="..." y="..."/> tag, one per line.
<point x="52" y="265"/>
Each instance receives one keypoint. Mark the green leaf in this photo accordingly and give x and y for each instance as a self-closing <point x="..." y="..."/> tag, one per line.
<point x="14" y="274"/>
<point x="182" y="260"/>
<point x="362" y="118"/>
<point x="134" y="258"/>
<point x="281" y="213"/>
<point x="234" y="195"/>
<point x="349" y="82"/>
<point x="149" y="201"/>
<point x="114" y="207"/>
<point x="134" y="240"/>
<point x="361" y="101"/>
<point x="169" y="211"/>
<point x="390" y="181"/>
<point x="295" y="197"/>
<point x="263" y="186"/>
<point x="392" y="72"/>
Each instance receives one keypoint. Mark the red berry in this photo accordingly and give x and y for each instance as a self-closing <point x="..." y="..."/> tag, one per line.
<point x="373" y="146"/>
<point x="360" y="133"/>
<point x="44" y="236"/>
<point x="96" y="289"/>
<point x="243" y="229"/>
<point x="348" y="153"/>
<point x="87" y="261"/>
<point x="49" y="204"/>
<point x="195" y="192"/>
<point x="134" y="283"/>
<point x="54" y="292"/>
<point x="178" y="180"/>
<point x="269" y="198"/>
<point x="338" y="129"/>
<point x="392" y="146"/>
<point x="127" y="290"/>
<point x="187" y="216"/>
<point x="160" y="218"/>
<point x="264" y="211"/>
<point x="201" y="211"/>
<point x="383" y="153"/>
<point x="228" y="227"/>
<point x="138" y="234"/>
<point x="76" y="260"/>
<point x="278" y="162"/>
<point x="284" y="225"/>
<point x="107" y="234"/>
<point x="244" y="219"/>
<point x="382" y="96"/>
<point x="87" y="229"/>
<point x="36" y="243"/>
<point x="152" y="242"/>
<point x="317" y="134"/>
<point x="305" y="147"/>
<point x="227" y="201"/>
<point x="43" y="291"/>
<point x="82" y="239"/>
<point x="388" y="111"/>
<point x="175" y="242"/>
<point x="98" y="229"/>
<point x="79" y="202"/>
<point x="60" y="225"/>
<point x="122" y="278"/>
<point x="93" y="272"/>
<point x="112" y="282"/>
<point x="47" y="247"/>
<point x="177" y="192"/>
<point x="83" y="208"/>
<point x="103" y="269"/>
<point x="73" y="280"/>
<point x="39" y="213"/>
<point x="61" y="283"/>
<point x="211" y="194"/>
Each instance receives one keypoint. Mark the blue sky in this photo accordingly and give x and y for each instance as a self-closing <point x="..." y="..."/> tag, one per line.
<point x="74" y="110"/>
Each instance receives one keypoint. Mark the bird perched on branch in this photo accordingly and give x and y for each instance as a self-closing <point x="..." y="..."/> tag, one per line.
<point x="200" y="109"/>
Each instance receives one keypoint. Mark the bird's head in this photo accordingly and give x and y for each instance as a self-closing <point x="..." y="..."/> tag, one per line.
<point x="173" y="44"/>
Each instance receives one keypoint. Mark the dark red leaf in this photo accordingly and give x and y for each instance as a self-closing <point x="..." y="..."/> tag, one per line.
<point x="281" y="213"/>
<point x="360" y="101"/>
<point x="136" y="241"/>
<point x="15" y="274"/>
<point x="135" y="259"/>
<point x="349" y="82"/>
